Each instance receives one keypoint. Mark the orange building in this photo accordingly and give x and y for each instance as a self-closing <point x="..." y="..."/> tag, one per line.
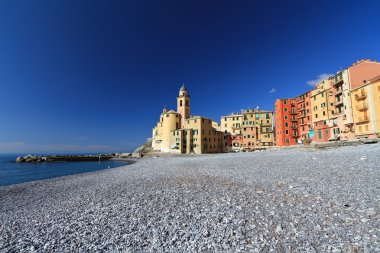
<point x="286" y="122"/>
<point x="304" y="115"/>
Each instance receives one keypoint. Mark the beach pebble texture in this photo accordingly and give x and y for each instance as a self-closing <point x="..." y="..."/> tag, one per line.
<point x="270" y="201"/>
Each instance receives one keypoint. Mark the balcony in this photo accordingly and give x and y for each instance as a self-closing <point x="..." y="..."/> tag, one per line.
<point x="295" y="135"/>
<point x="363" y="119"/>
<point x="293" y="119"/>
<point x="362" y="107"/>
<point x="303" y="123"/>
<point x="338" y="79"/>
<point x="300" y="100"/>
<point x="338" y="91"/>
<point x="293" y="112"/>
<point x="361" y="95"/>
<point x="301" y="116"/>
<point x="294" y="127"/>
<point x="266" y="124"/>
<point x="338" y="102"/>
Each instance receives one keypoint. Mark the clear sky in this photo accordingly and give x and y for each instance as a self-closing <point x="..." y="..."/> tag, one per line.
<point x="93" y="76"/>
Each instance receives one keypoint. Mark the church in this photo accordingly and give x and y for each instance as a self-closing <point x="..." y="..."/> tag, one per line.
<point x="179" y="132"/>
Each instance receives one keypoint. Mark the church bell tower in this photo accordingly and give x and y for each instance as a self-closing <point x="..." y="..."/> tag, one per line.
<point x="183" y="105"/>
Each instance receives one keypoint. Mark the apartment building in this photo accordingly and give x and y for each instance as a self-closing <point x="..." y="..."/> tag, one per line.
<point x="366" y="109"/>
<point x="286" y="122"/>
<point x="257" y="129"/>
<point x="231" y="124"/>
<point x="320" y="113"/>
<point x="304" y="115"/>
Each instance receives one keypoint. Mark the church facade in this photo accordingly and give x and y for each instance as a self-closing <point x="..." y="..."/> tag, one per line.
<point x="179" y="132"/>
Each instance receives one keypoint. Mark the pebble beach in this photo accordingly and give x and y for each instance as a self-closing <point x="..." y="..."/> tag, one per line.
<point x="270" y="201"/>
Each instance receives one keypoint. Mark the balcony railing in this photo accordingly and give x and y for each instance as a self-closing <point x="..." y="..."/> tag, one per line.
<point x="361" y="95"/>
<point x="363" y="119"/>
<point x="301" y="115"/>
<point x="361" y="107"/>
<point x="294" y="127"/>
<point x="293" y="112"/>
<point x="300" y="100"/>
<point x="338" y="102"/>
<point x="338" y="91"/>
<point x="338" y="79"/>
<point x="293" y="119"/>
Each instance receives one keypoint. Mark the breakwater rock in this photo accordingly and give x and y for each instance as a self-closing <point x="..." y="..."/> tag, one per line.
<point x="62" y="158"/>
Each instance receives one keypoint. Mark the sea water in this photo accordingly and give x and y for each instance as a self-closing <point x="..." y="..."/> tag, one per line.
<point x="14" y="173"/>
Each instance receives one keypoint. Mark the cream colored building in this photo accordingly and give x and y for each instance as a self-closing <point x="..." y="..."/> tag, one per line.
<point x="178" y="132"/>
<point x="366" y="109"/>
<point x="231" y="123"/>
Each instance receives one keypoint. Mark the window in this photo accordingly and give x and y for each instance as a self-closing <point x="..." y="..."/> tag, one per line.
<point x="324" y="113"/>
<point x="286" y="131"/>
<point x="316" y="115"/>
<point x="366" y="127"/>
<point x="187" y="102"/>
<point x="180" y="103"/>
<point x="286" y="124"/>
<point x="285" y="109"/>
<point x="285" y="117"/>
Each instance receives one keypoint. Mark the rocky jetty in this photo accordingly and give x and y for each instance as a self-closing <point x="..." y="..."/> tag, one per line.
<point x="62" y="158"/>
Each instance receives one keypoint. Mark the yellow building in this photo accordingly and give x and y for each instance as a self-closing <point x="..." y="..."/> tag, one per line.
<point x="199" y="137"/>
<point x="257" y="129"/>
<point x="178" y="132"/>
<point x="169" y="121"/>
<point x="319" y="101"/>
<point x="232" y="123"/>
<point x="366" y="109"/>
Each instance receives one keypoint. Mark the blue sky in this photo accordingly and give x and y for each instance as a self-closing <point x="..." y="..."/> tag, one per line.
<point x="76" y="76"/>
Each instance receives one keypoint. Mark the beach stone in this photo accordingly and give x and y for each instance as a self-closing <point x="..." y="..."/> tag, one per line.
<point x="270" y="201"/>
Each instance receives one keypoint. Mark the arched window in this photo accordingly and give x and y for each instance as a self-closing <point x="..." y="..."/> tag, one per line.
<point x="180" y="103"/>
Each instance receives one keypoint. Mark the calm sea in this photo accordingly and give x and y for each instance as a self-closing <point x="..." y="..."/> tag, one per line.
<point x="14" y="173"/>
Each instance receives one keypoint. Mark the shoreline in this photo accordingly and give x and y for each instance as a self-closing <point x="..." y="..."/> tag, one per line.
<point x="129" y="161"/>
